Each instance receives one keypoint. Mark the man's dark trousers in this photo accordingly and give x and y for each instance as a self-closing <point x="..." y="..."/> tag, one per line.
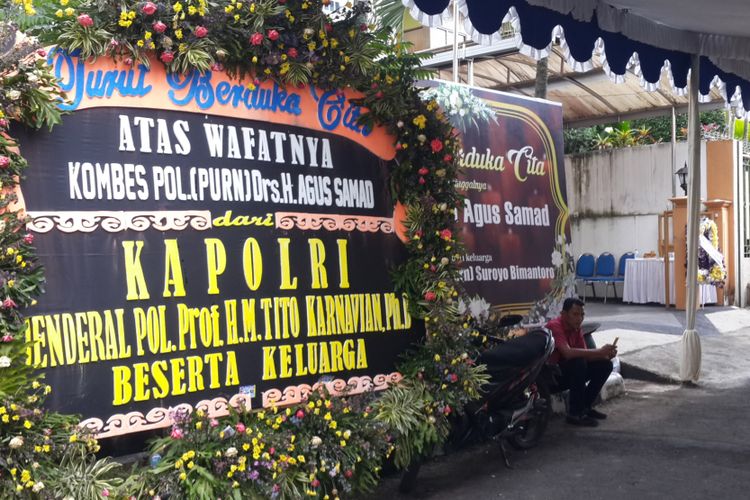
<point x="576" y="373"/>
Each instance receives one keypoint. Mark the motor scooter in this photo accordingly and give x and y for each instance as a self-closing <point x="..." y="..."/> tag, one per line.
<point x="511" y="408"/>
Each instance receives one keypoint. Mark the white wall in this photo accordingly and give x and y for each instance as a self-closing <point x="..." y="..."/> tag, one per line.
<point x="616" y="196"/>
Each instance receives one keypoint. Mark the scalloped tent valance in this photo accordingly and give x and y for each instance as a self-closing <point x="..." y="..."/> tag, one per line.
<point x="649" y="36"/>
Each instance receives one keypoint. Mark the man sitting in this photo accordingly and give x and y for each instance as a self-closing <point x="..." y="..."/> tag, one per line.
<point x="578" y="364"/>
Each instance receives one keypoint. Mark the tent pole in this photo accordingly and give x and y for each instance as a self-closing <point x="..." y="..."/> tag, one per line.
<point x="691" y="348"/>
<point x="674" y="152"/>
<point x="455" y="41"/>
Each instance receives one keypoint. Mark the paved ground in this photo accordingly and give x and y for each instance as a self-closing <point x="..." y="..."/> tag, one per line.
<point x="650" y="340"/>
<point x="661" y="441"/>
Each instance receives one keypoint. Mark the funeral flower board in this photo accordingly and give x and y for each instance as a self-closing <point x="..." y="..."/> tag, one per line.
<point x="208" y="240"/>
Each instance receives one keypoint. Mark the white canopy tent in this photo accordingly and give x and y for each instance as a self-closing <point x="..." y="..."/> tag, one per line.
<point x="699" y="46"/>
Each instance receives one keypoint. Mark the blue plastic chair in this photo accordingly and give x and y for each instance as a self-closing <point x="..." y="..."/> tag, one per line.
<point x="585" y="272"/>
<point x="605" y="272"/>
<point x="620" y="277"/>
<point x="621" y="266"/>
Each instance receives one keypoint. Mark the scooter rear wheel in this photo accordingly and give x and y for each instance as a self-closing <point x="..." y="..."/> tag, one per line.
<point x="531" y="430"/>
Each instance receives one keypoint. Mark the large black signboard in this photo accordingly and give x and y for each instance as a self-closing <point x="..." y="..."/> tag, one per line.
<point x="197" y="257"/>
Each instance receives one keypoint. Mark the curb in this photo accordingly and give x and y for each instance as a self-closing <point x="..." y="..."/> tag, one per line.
<point x="630" y="371"/>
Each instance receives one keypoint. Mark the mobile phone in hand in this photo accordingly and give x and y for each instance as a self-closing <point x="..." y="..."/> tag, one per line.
<point x="614" y="344"/>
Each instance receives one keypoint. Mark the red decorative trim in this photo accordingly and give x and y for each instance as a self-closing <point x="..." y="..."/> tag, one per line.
<point x="333" y="222"/>
<point x="158" y="418"/>
<point x="294" y="394"/>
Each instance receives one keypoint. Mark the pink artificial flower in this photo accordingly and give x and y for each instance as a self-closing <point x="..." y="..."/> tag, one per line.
<point x="292" y="53"/>
<point x="379" y="94"/>
<point x="85" y="20"/>
<point x="240" y="427"/>
<point x="41" y="53"/>
<point x="300" y="414"/>
<point x="256" y="38"/>
<point x="9" y="303"/>
<point x="423" y="171"/>
<point x="348" y="473"/>
<point x="105" y="492"/>
<point x="448" y="158"/>
<point x="437" y="145"/>
<point x="329" y="27"/>
<point x="28" y="238"/>
<point x="159" y="27"/>
<point x="430" y="296"/>
<point x="315" y="483"/>
<point x="129" y="61"/>
<point x="177" y="433"/>
<point x="217" y="67"/>
<point x="421" y="180"/>
<point x="447" y="410"/>
<point x="4" y="161"/>
<point x="271" y="450"/>
<point x="454" y="377"/>
<point x="201" y="31"/>
<point x="213" y="422"/>
<point x="446" y="234"/>
<point x="7" y="338"/>
<point x="167" y="57"/>
<point x="148" y="8"/>
<point x="3" y="123"/>
<point x="273" y="35"/>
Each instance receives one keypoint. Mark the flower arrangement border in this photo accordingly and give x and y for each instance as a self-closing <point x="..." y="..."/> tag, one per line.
<point x="292" y="42"/>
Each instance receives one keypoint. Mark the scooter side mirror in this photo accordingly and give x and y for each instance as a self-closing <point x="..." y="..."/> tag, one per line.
<point x="510" y="320"/>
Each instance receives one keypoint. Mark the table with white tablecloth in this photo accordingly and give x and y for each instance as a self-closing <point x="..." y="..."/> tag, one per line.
<point x="644" y="282"/>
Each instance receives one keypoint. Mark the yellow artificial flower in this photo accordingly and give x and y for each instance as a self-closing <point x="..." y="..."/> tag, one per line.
<point x="420" y="121"/>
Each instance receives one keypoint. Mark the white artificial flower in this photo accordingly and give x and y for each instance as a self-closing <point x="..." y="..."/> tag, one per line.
<point x="231" y="452"/>
<point x="13" y="95"/>
<point x="479" y="308"/>
<point x="316" y="441"/>
<point x="32" y="78"/>
<point x="557" y="259"/>
<point x="16" y="442"/>
<point x="454" y="99"/>
<point x="609" y="130"/>
<point x="462" y="307"/>
<point x="4" y="361"/>
<point x="38" y="487"/>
